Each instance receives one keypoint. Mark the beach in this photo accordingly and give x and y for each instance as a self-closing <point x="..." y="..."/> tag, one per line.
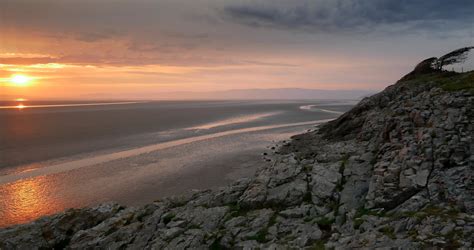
<point x="136" y="169"/>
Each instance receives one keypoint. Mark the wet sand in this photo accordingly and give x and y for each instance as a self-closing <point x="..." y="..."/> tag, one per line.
<point x="206" y="156"/>
<point x="141" y="178"/>
<point x="95" y="160"/>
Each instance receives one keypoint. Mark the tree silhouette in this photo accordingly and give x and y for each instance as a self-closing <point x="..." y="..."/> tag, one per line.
<point x="457" y="56"/>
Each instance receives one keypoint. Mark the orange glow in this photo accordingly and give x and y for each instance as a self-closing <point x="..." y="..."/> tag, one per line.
<point x="27" y="200"/>
<point x="20" y="106"/>
<point x="20" y="80"/>
<point x="20" y="99"/>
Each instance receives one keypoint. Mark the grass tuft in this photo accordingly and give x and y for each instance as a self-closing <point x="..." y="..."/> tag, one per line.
<point x="388" y="231"/>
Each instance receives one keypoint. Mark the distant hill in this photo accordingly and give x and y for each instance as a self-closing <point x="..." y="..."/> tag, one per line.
<point x="237" y="94"/>
<point x="262" y="94"/>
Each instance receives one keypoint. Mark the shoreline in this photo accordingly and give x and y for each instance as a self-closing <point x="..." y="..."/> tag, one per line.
<point x="40" y="136"/>
<point x="87" y="162"/>
<point x="128" y="179"/>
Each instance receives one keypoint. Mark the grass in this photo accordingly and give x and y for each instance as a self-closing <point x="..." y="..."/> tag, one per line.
<point x="361" y="211"/>
<point x="460" y="82"/>
<point x="236" y="210"/>
<point x="413" y="234"/>
<point x="452" y="239"/>
<point x="216" y="245"/>
<point x="308" y="219"/>
<point x="308" y="197"/>
<point x="261" y="236"/>
<point x="334" y="206"/>
<point x="358" y="222"/>
<point x="448" y="81"/>
<point x="340" y="185"/>
<point x="325" y="222"/>
<point x="168" y="217"/>
<point x="388" y="231"/>
<point x="430" y="210"/>
<point x="308" y="168"/>
<point x="318" y="245"/>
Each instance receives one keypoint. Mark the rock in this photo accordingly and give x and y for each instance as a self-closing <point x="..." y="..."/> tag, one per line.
<point x="299" y="212"/>
<point x="207" y="219"/>
<point x="307" y="234"/>
<point x="290" y="193"/>
<point x="109" y="231"/>
<point x="247" y="245"/>
<point x="447" y="229"/>
<point x="421" y="177"/>
<point x="393" y="172"/>
<point x="191" y="239"/>
<point x="324" y="181"/>
<point x="171" y="233"/>
<point x="254" y="196"/>
<point x="55" y="231"/>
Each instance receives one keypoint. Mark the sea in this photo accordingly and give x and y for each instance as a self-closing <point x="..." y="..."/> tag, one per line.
<point x="56" y="155"/>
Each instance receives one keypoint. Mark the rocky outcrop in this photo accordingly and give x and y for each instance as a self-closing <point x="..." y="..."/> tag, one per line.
<point x="395" y="171"/>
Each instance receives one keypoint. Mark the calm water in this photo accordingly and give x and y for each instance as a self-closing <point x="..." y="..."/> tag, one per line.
<point x="55" y="155"/>
<point x="31" y="135"/>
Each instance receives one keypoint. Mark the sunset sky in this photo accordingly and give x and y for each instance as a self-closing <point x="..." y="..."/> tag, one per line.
<point x="142" y="49"/>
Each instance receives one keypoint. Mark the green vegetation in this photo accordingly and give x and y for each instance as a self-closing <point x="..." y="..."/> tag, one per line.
<point x="216" y="245"/>
<point x="236" y="210"/>
<point x="448" y="81"/>
<point x="452" y="239"/>
<point x="413" y="234"/>
<point x="334" y="206"/>
<point x="308" y="219"/>
<point x="261" y="236"/>
<point x="361" y="211"/>
<point x="341" y="184"/>
<point x="141" y="216"/>
<point x="388" y="231"/>
<point x="318" y="245"/>
<point x="308" y="197"/>
<point x="459" y="82"/>
<point x="430" y="210"/>
<point x="463" y="83"/>
<point x="324" y="222"/>
<point x="358" y="222"/>
<point x="168" y="217"/>
<point x="308" y="168"/>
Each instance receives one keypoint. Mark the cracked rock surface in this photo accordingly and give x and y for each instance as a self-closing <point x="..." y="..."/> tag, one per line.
<point x="395" y="171"/>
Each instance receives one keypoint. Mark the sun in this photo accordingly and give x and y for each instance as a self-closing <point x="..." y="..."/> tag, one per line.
<point x="20" y="80"/>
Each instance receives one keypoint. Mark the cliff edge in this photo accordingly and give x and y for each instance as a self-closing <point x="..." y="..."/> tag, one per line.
<point x="395" y="171"/>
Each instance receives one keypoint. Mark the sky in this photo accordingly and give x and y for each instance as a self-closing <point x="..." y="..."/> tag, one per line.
<point x="143" y="49"/>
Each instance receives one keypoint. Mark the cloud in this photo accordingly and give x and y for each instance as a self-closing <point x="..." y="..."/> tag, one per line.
<point x="26" y="60"/>
<point x="96" y="36"/>
<point x="352" y="15"/>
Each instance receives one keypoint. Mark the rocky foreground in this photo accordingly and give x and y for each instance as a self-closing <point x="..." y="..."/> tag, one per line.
<point x="395" y="171"/>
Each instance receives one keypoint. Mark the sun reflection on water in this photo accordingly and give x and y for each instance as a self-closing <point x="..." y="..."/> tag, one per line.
<point x="24" y="201"/>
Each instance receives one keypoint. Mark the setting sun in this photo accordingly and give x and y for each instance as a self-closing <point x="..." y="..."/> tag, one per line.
<point x="20" y="80"/>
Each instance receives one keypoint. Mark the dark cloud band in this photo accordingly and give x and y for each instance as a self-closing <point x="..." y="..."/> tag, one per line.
<point x="337" y="15"/>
